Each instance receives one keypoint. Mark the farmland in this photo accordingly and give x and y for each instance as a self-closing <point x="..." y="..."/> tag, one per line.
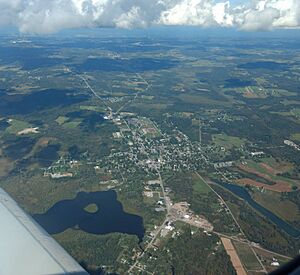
<point x="162" y="122"/>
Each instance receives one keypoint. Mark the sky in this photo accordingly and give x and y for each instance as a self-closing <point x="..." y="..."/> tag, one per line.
<point x="51" y="16"/>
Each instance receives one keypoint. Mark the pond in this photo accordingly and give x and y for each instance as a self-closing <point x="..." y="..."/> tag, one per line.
<point x="108" y="216"/>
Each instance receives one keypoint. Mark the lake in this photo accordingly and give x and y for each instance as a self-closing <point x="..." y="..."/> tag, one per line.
<point x="109" y="216"/>
<point x="243" y="193"/>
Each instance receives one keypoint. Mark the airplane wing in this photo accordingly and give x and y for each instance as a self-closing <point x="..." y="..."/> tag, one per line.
<point x="26" y="248"/>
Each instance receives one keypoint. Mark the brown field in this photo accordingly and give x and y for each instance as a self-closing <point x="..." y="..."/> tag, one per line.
<point x="44" y="141"/>
<point x="279" y="168"/>
<point x="255" y="172"/>
<point x="249" y="95"/>
<point x="5" y="166"/>
<point x="282" y="207"/>
<point x="278" y="187"/>
<point x="269" y="168"/>
<point x="236" y="262"/>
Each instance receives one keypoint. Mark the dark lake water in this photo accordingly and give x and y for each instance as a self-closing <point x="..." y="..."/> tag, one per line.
<point x="243" y="193"/>
<point x="109" y="218"/>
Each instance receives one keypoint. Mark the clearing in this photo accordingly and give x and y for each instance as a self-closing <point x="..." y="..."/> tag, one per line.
<point x="236" y="262"/>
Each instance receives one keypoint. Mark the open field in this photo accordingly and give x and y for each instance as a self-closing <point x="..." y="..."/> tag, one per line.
<point x="17" y="126"/>
<point x="253" y="92"/>
<point x="278" y="187"/>
<point x="236" y="262"/>
<point x="5" y="166"/>
<point x="227" y="141"/>
<point x="92" y="108"/>
<point x="71" y="124"/>
<point x="264" y="172"/>
<point x="199" y="185"/>
<point x="295" y="136"/>
<point x="247" y="256"/>
<point x="61" y="120"/>
<point x="267" y="258"/>
<point x="279" y="205"/>
<point x="116" y="112"/>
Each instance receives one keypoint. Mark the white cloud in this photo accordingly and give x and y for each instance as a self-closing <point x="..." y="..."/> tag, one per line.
<point x="189" y="12"/>
<point x="222" y="15"/>
<point x="268" y="14"/>
<point x="260" y="19"/>
<point x="42" y="16"/>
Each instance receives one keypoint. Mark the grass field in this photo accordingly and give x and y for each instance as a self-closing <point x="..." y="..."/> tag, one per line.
<point x="61" y="120"/>
<point x="264" y="170"/>
<point x="227" y="141"/>
<point x="278" y="187"/>
<point x="296" y="112"/>
<point x="280" y="166"/>
<point x="273" y="201"/>
<point x="247" y="256"/>
<point x="199" y="185"/>
<point x="92" y="108"/>
<point x="17" y="126"/>
<point x="295" y="137"/>
<point x="267" y="258"/>
<point x="5" y="166"/>
<point x="234" y="257"/>
<point x="259" y="92"/>
<point x="71" y="124"/>
<point x="196" y="99"/>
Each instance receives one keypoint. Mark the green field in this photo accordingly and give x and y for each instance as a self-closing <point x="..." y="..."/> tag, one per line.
<point x="226" y="141"/>
<point x="177" y="106"/>
<point x="295" y="137"/>
<point x="17" y="126"/>
<point x="61" y="120"/>
<point x="264" y="171"/>
<point x="200" y="186"/>
<point x="72" y="124"/>
<point x="92" y="108"/>
<point x="247" y="256"/>
<point x="277" y="204"/>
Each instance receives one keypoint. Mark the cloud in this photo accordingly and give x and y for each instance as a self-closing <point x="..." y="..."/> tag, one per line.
<point x="269" y="14"/>
<point x="42" y="16"/>
<point x="260" y="20"/>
